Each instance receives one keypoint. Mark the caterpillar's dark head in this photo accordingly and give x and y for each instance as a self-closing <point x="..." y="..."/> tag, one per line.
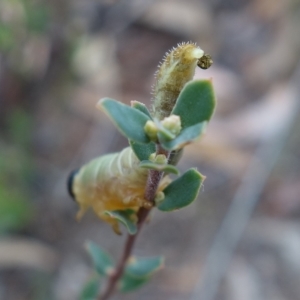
<point x="70" y="183"/>
<point x="205" y="62"/>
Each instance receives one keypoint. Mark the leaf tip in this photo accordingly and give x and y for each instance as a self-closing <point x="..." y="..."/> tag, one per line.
<point x="133" y="103"/>
<point x="87" y="245"/>
<point x="99" y="104"/>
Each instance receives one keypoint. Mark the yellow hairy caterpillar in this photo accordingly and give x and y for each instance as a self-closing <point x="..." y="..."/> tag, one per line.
<point x="110" y="182"/>
<point x="177" y="68"/>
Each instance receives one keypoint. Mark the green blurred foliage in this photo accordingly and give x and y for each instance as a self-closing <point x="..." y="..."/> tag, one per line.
<point x="15" y="210"/>
<point x="102" y="260"/>
<point x="19" y="18"/>
<point x="91" y="289"/>
<point x="6" y="37"/>
<point x="36" y="16"/>
<point x="16" y="169"/>
<point x="23" y="25"/>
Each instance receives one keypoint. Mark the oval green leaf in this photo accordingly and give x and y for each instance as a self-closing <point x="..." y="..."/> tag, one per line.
<point x="125" y="217"/>
<point x="182" y="191"/>
<point x="102" y="261"/>
<point x="129" y="121"/>
<point x="195" y="103"/>
<point x="144" y="267"/>
<point x="90" y="290"/>
<point x="141" y="107"/>
<point x="142" y="151"/>
<point x="128" y="283"/>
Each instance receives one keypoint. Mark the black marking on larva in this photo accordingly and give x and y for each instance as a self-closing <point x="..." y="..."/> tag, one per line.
<point x="70" y="181"/>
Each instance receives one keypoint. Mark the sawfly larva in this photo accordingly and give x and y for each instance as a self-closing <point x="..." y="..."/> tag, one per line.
<point x="110" y="182"/>
<point x="177" y="68"/>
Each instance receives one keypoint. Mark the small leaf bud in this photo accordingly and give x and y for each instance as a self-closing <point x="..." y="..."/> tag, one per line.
<point x="147" y="205"/>
<point x="172" y="123"/>
<point x="151" y="130"/>
<point x="161" y="159"/>
<point x="160" y="196"/>
<point x="152" y="157"/>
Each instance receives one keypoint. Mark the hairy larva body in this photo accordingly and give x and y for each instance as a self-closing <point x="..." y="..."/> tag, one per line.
<point x="177" y="68"/>
<point x="111" y="182"/>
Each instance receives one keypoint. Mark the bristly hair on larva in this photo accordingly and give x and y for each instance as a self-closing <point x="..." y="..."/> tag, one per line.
<point x="177" y="68"/>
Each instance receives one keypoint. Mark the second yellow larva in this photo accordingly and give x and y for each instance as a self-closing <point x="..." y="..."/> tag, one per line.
<point x="177" y="68"/>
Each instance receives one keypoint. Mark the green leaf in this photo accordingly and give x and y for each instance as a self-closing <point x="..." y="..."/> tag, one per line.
<point x="195" y="103"/>
<point x="142" y="151"/>
<point x="185" y="137"/>
<point x="138" y="271"/>
<point x="147" y="164"/>
<point x="129" y="283"/>
<point x="129" y="121"/>
<point x="182" y="191"/>
<point x="141" y="107"/>
<point x="102" y="261"/>
<point x="90" y="290"/>
<point x="144" y="267"/>
<point x="125" y="217"/>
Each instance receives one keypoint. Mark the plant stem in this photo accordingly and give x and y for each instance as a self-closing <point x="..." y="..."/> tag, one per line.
<point x="120" y="268"/>
<point x="153" y="180"/>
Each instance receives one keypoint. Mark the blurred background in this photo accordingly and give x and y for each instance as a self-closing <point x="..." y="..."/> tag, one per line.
<point x="57" y="58"/>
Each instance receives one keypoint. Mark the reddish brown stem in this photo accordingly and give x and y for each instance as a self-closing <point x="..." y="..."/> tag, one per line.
<point x="119" y="270"/>
<point x="153" y="180"/>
